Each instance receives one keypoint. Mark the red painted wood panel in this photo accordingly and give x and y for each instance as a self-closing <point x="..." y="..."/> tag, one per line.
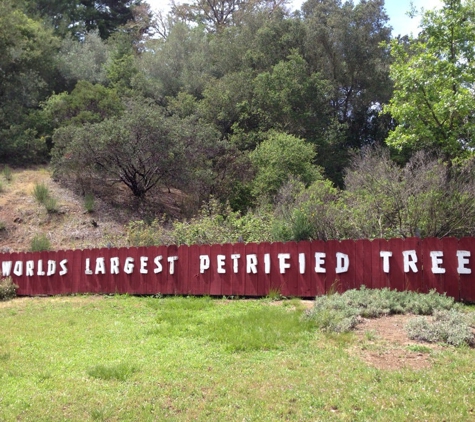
<point x="251" y="278"/>
<point x="216" y="279"/>
<point x="183" y="279"/>
<point x="226" y="279"/>
<point x="363" y="263"/>
<point x="397" y="276"/>
<point x="433" y="280"/>
<point x="288" y="279"/>
<point x="412" y="247"/>
<point x="307" y="281"/>
<point x="264" y="279"/>
<point x="451" y="278"/>
<point x="238" y="279"/>
<point x="466" y="247"/>
<point x="380" y="278"/>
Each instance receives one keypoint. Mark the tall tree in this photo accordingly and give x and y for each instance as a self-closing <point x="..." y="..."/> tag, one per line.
<point x="434" y="78"/>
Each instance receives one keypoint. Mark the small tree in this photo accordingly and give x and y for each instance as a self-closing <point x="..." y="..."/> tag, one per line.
<point x="279" y="157"/>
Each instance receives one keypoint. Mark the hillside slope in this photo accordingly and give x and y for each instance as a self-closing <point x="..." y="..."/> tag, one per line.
<point x="71" y="227"/>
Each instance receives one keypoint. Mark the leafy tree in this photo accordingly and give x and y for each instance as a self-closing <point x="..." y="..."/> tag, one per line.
<point x="27" y="74"/>
<point x="344" y="43"/>
<point x="278" y="158"/>
<point x="85" y="59"/>
<point x="81" y="16"/>
<point x="143" y="148"/>
<point x="434" y="79"/>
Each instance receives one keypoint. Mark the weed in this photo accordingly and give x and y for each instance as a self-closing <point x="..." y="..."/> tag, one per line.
<point x="1" y="187"/>
<point x="7" y="173"/>
<point x="51" y="205"/>
<point x="370" y="335"/>
<point x="274" y="294"/>
<point x="7" y="288"/>
<point x="40" y="243"/>
<point x="418" y="348"/>
<point x="3" y="226"/>
<point x="119" y="372"/>
<point x="41" y="192"/>
<point x="89" y="202"/>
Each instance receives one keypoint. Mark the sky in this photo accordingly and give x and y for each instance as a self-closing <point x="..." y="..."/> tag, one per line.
<point x="396" y="10"/>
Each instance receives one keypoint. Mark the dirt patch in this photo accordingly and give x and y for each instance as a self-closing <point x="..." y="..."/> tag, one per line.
<point x="384" y="344"/>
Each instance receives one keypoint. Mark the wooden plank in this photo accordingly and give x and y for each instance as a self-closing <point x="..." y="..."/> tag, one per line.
<point x="319" y="264"/>
<point x="226" y="279"/>
<point x="432" y="254"/>
<point x="238" y="274"/>
<point x="466" y="268"/>
<point x="216" y="278"/>
<point x="397" y="275"/>
<point x="450" y="260"/>
<point x="412" y="264"/>
<point x="184" y="275"/>
<point x="252" y="266"/>
<point x="307" y="280"/>
<point x="363" y="264"/>
<point x="264" y="274"/>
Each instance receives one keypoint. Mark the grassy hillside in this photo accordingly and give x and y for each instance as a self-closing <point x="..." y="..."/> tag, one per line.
<point x="22" y="217"/>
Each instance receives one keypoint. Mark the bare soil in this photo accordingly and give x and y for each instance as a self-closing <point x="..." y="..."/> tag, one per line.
<point x="384" y="344"/>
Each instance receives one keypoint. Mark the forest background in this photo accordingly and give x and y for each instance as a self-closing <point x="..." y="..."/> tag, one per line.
<point x="267" y="125"/>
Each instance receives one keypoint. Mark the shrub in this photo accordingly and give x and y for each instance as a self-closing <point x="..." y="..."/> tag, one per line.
<point x="342" y="312"/>
<point x="446" y="326"/>
<point x="7" y="288"/>
<point x="40" y="243"/>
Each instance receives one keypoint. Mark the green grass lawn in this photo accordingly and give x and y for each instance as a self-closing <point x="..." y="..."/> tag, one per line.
<point x="186" y="359"/>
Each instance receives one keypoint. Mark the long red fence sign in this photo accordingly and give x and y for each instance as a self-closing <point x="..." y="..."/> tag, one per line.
<point x="300" y="269"/>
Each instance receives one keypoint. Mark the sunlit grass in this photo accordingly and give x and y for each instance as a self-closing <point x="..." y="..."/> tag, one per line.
<point x="150" y="359"/>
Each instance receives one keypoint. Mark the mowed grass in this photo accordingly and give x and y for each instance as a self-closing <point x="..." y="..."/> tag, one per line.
<point x="199" y="359"/>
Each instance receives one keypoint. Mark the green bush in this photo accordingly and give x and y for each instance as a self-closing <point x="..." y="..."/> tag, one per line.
<point x="40" y="243"/>
<point x="215" y="223"/>
<point x="7" y="288"/>
<point x="342" y="312"/>
<point x="446" y="326"/>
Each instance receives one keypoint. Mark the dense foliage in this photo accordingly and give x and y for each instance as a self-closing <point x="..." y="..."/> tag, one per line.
<point x="246" y="104"/>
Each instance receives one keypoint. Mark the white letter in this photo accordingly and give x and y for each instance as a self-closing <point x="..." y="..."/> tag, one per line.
<point x="30" y="266"/>
<point x="143" y="264"/>
<point x="40" y="267"/>
<point x="6" y="268"/>
<point x="342" y="263"/>
<point x="204" y="263"/>
<point x="436" y="257"/>
<point x="385" y="255"/>
<point x="51" y="267"/>
<point x="235" y="257"/>
<point x="267" y="263"/>
<point x="171" y="260"/>
<point x="114" y="265"/>
<point x="100" y="265"/>
<point x="251" y="263"/>
<point x="18" y="268"/>
<point x="129" y="265"/>
<point x="302" y="263"/>
<point x="319" y="261"/>
<point x="282" y="264"/>
<point x="221" y="269"/>
<point x="64" y="269"/>
<point x="158" y="264"/>
<point x="410" y="263"/>
<point x="463" y="261"/>
<point x="88" y="267"/>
